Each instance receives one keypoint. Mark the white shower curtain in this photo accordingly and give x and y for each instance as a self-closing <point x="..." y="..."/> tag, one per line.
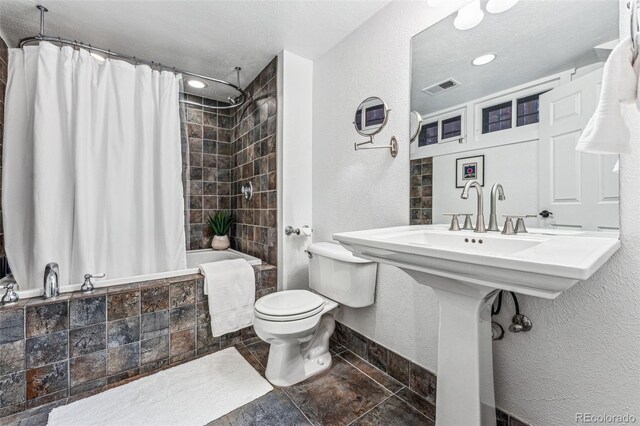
<point x="91" y="167"/>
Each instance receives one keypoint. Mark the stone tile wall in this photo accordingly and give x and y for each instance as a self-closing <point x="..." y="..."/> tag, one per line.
<point x="253" y="159"/>
<point x="206" y="169"/>
<point x="76" y="345"/>
<point x="418" y="379"/>
<point x="421" y="191"/>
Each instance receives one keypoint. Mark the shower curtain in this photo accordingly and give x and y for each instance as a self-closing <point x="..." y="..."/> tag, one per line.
<point x="91" y="167"/>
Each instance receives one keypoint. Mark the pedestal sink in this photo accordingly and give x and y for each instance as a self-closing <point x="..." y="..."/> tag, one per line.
<point x="466" y="270"/>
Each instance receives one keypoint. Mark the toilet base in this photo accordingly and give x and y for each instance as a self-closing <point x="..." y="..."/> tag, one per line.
<point x="292" y="362"/>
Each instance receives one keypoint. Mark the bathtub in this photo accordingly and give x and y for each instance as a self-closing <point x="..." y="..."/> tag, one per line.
<point x="194" y="259"/>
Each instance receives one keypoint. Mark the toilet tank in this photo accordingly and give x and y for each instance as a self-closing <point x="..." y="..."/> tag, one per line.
<point x="336" y="273"/>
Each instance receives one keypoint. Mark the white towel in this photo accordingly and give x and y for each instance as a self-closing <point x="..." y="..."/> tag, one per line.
<point x="231" y="289"/>
<point x="606" y="132"/>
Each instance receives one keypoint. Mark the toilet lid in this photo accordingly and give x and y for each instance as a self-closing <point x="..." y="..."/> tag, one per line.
<point x="288" y="303"/>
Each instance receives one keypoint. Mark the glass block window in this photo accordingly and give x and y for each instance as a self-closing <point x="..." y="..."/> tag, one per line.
<point x="496" y="117"/>
<point x="428" y="134"/>
<point x="452" y="127"/>
<point x="528" y="110"/>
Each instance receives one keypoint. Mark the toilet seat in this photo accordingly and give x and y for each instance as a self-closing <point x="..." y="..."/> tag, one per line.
<point x="289" y="305"/>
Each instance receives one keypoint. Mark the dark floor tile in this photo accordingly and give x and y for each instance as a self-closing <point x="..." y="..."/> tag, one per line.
<point x="45" y="319"/>
<point x="123" y="358"/>
<point x="368" y="369"/>
<point x="272" y="409"/>
<point x="11" y="357"/>
<point x="87" y="368"/>
<point x="86" y="340"/>
<point x="123" y="305"/>
<point x="183" y="293"/>
<point x="11" y="325"/>
<point x="251" y="359"/>
<point x="421" y="404"/>
<point x="155" y="298"/>
<point x="260" y="350"/>
<point x="422" y="381"/>
<point x="154" y="324"/>
<point x="502" y="418"/>
<point x="181" y="342"/>
<point x="393" y="411"/>
<point x="337" y="396"/>
<point x="40" y="419"/>
<point x="154" y="349"/>
<point x="87" y="311"/>
<point x="47" y="380"/>
<point x="182" y="317"/>
<point x="335" y="347"/>
<point x="12" y="389"/>
<point x="47" y="349"/>
<point x="123" y="332"/>
<point x="398" y="368"/>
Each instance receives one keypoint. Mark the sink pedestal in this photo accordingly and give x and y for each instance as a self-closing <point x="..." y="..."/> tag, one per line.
<point x="465" y="361"/>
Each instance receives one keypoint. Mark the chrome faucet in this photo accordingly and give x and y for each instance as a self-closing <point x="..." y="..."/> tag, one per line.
<point x="497" y="193"/>
<point x="51" y="280"/>
<point x="480" y="227"/>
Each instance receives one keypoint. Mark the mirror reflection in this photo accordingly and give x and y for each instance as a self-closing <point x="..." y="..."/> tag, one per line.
<point x="501" y="103"/>
<point x="371" y="116"/>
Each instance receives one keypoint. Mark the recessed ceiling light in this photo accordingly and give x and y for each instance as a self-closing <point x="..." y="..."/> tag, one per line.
<point x="196" y="84"/>
<point x="469" y="16"/>
<point x="499" y="6"/>
<point x="484" y="59"/>
<point x="97" y="57"/>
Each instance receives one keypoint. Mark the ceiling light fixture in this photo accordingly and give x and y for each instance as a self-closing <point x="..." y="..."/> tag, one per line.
<point x="196" y="84"/>
<point x="469" y="16"/>
<point x="499" y="6"/>
<point x="484" y="59"/>
<point x="98" y="57"/>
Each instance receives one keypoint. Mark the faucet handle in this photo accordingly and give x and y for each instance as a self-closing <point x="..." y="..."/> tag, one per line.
<point x="455" y="225"/>
<point x="10" y="296"/>
<point x="87" y="287"/>
<point x="508" y="228"/>
<point x="467" y="221"/>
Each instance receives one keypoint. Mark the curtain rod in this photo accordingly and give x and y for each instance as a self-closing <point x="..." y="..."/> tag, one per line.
<point x="233" y="102"/>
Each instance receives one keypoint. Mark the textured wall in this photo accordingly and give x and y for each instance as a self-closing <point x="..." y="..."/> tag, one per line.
<point x="581" y="354"/>
<point x="253" y="159"/>
<point x="207" y="168"/>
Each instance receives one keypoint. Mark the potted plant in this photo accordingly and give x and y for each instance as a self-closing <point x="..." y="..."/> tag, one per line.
<point x="220" y="223"/>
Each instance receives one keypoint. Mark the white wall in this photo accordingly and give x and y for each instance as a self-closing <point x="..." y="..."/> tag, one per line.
<point x="582" y="353"/>
<point x="295" y="86"/>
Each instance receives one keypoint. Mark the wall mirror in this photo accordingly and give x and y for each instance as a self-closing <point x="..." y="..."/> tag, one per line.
<point x="508" y="101"/>
<point x="371" y="116"/>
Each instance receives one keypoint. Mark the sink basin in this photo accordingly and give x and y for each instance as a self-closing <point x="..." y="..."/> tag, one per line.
<point x="466" y="271"/>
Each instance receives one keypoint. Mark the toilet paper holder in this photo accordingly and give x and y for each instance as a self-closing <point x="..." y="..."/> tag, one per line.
<point x="305" y="230"/>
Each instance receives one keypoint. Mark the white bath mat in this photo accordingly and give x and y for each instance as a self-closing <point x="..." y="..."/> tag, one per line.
<point x="191" y="394"/>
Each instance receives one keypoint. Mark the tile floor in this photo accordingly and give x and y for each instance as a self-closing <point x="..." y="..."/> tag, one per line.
<point x="351" y="392"/>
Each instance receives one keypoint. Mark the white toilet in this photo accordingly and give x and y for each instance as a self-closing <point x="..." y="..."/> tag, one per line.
<point x="298" y="323"/>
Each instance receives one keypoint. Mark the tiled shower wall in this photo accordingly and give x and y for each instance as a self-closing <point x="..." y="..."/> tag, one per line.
<point x="206" y="169"/>
<point x="64" y="349"/>
<point x="4" y="59"/>
<point x="421" y="201"/>
<point x="253" y="159"/>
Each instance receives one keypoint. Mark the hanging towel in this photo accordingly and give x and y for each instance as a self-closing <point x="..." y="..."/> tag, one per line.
<point x="231" y="289"/>
<point x="606" y="132"/>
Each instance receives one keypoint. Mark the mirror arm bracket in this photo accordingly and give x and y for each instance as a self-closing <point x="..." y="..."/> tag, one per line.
<point x="392" y="147"/>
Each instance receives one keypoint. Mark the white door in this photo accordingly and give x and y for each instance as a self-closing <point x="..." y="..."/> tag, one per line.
<point x="579" y="189"/>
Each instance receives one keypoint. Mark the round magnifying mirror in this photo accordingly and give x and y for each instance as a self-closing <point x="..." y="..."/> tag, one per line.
<point x="415" y="125"/>
<point x="371" y="116"/>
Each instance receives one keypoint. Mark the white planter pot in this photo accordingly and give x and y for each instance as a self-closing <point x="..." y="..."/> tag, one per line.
<point x="220" y="242"/>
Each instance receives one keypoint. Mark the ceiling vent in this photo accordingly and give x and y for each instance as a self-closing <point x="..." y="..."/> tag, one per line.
<point x="449" y="83"/>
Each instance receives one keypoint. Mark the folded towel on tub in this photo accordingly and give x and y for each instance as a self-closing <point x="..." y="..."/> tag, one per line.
<point x="231" y="289"/>
<point x="606" y="132"/>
